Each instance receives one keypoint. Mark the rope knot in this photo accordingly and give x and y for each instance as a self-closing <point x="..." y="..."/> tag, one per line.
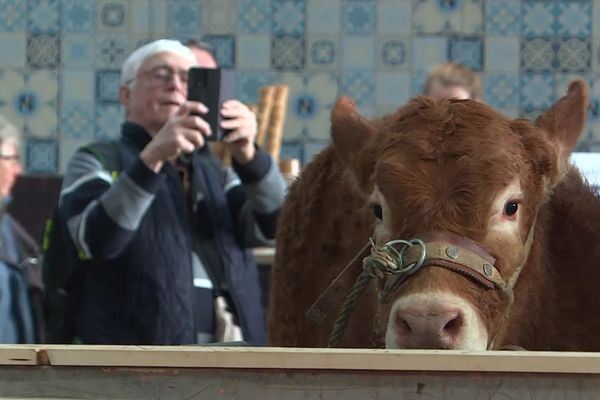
<point x="387" y="260"/>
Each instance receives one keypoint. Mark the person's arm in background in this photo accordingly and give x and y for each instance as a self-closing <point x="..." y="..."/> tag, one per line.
<point x="255" y="198"/>
<point x="102" y="216"/>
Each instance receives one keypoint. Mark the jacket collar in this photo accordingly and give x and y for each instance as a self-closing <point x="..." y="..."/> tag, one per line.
<point x="136" y="133"/>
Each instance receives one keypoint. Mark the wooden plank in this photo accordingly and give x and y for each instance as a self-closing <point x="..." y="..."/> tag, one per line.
<point x="247" y="384"/>
<point x="295" y="358"/>
<point x="195" y="372"/>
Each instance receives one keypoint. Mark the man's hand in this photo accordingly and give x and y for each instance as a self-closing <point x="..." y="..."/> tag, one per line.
<point x="183" y="132"/>
<point x="242" y="122"/>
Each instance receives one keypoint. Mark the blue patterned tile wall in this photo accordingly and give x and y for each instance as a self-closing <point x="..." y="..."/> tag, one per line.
<point x="60" y="64"/>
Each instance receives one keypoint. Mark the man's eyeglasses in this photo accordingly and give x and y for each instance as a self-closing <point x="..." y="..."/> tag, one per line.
<point x="14" y="157"/>
<point x="162" y="75"/>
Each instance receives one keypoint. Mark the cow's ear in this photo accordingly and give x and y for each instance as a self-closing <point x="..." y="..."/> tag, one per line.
<point x="350" y="132"/>
<point x="564" y="121"/>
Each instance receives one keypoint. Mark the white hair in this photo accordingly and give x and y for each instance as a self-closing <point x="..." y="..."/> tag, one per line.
<point x="132" y="64"/>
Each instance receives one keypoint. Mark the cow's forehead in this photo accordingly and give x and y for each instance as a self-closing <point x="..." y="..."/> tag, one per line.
<point x="463" y="132"/>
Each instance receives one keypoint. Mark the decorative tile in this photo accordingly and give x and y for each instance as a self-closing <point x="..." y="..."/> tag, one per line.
<point x="66" y="148"/>
<point x="43" y="50"/>
<point x="77" y="49"/>
<point x="111" y="50"/>
<point x="596" y="53"/>
<point x="596" y="17"/>
<point x="358" y="16"/>
<point x="466" y="50"/>
<point x="311" y="99"/>
<point x="161" y="17"/>
<point x="393" y="52"/>
<point x="13" y="47"/>
<point x="41" y="155"/>
<point x="223" y="48"/>
<point x="112" y="14"/>
<point x="394" y="16"/>
<point x="185" y="16"/>
<point x="574" y="18"/>
<point x="472" y="17"/>
<point x="434" y="16"/>
<point x="322" y="52"/>
<point x="538" y="18"/>
<point x="289" y="16"/>
<point x="249" y="83"/>
<point x="140" y="15"/>
<point x="324" y="16"/>
<point x="219" y="16"/>
<point x="536" y="91"/>
<point x="392" y="89"/>
<point x="311" y="149"/>
<point x="29" y="100"/>
<point x="253" y="51"/>
<point x="287" y="52"/>
<point x="254" y="16"/>
<point x="503" y="17"/>
<point x="502" y="53"/>
<point x="502" y="90"/>
<point x="418" y="82"/>
<point x="43" y="16"/>
<point x="107" y="121"/>
<point x="428" y="51"/>
<point x="77" y="85"/>
<point x="78" y="16"/>
<point x="537" y="54"/>
<point x="107" y="86"/>
<point x="13" y="15"/>
<point x="358" y="51"/>
<point x="574" y="54"/>
<point x="77" y="120"/>
<point x="359" y="85"/>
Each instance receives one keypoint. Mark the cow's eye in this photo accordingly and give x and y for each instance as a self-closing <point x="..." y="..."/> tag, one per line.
<point x="377" y="211"/>
<point x="511" y="208"/>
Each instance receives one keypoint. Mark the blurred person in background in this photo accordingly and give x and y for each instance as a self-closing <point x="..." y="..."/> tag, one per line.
<point x="20" y="275"/>
<point x="167" y="242"/>
<point x="453" y="80"/>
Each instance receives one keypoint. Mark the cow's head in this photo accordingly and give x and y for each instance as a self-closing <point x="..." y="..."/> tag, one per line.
<point x="459" y="171"/>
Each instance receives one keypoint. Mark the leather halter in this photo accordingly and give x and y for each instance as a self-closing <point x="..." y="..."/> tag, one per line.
<point x="444" y="250"/>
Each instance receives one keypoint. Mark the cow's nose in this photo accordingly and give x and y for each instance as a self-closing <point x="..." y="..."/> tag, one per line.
<point x="427" y="328"/>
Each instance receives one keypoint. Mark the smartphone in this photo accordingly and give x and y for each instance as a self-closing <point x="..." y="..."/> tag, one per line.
<point x="204" y="85"/>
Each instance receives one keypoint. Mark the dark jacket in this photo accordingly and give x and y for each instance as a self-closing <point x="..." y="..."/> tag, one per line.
<point x="21" y="318"/>
<point x="139" y="233"/>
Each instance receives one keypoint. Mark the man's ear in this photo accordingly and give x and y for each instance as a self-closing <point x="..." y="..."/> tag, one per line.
<point x="124" y="93"/>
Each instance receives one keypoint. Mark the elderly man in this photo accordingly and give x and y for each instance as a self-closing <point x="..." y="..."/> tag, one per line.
<point x="20" y="280"/>
<point x="166" y="242"/>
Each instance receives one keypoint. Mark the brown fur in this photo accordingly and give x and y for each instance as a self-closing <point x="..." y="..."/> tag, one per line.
<point x="439" y="165"/>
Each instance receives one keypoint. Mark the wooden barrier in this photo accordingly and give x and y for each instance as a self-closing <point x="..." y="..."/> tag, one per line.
<point x="205" y="372"/>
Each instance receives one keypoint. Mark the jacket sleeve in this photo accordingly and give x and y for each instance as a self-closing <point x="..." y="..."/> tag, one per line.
<point x="102" y="214"/>
<point x="255" y="193"/>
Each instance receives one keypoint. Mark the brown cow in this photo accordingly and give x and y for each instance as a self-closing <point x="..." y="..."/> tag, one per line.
<point x="495" y="204"/>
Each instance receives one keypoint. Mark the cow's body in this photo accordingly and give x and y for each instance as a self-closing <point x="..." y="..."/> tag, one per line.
<point x="455" y="168"/>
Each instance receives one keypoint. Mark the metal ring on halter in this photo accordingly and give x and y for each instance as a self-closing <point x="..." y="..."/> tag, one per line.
<point x="413" y="267"/>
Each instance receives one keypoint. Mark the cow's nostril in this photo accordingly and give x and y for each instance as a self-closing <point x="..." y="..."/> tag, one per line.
<point x="403" y="326"/>
<point x="454" y="325"/>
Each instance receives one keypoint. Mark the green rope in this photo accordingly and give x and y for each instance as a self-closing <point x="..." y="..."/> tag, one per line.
<point x="340" y="324"/>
